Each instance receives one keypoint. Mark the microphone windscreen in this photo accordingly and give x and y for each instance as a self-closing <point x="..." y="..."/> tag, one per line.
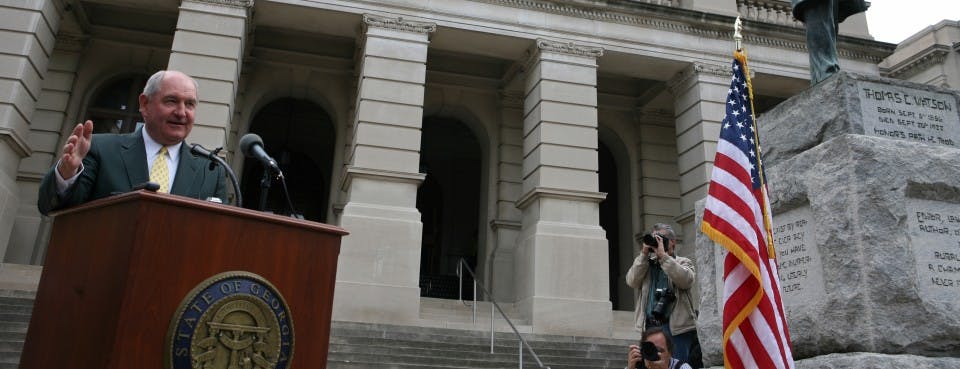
<point x="247" y="142"/>
<point x="198" y="150"/>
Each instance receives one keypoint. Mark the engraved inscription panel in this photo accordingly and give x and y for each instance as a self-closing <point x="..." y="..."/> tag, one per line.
<point x="909" y="114"/>
<point x="798" y="258"/>
<point x="934" y="231"/>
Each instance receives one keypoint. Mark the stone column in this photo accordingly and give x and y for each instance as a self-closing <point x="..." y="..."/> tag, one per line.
<point x="700" y="93"/>
<point x="209" y="45"/>
<point x="379" y="269"/>
<point x="28" y="37"/>
<point x="506" y="224"/>
<point x="28" y="240"/>
<point x="561" y="263"/>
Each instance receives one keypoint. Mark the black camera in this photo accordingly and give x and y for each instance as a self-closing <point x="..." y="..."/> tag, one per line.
<point x="650" y="241"/>
<point x="648" y="351"/>
<point x="665" y="297"/>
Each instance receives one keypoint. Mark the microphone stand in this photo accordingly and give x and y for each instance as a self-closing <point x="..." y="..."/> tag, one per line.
<point x="264" y="188"/>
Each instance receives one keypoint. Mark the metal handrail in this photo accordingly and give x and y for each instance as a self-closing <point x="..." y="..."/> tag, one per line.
<point x="461" y="264"/>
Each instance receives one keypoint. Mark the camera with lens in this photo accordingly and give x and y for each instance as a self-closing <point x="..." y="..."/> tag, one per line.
<point x="664" y="297"/>
<point x="649" y="352"/>
<point x="650" y="241"/>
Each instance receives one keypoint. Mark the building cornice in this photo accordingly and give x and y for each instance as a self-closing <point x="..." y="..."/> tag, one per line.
<point x="933" y="55"/>
<point x="398" y="24"/>
<point x="232" y="3"/>
<point x="678" y="20"/>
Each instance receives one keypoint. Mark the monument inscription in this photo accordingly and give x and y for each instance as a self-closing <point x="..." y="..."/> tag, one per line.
<point x="909" y="114"/>
<point x="798" y="258"/>
<point x="934" y="230"/>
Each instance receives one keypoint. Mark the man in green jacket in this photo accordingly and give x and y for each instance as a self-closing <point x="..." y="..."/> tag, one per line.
<point x="822" y="19"/>
<point x="97" y="166"/>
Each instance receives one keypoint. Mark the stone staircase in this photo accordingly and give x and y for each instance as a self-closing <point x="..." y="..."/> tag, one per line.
<point x="15" y="309"/>
<point x="445" y="337"/>
<point x="364" y="345"/>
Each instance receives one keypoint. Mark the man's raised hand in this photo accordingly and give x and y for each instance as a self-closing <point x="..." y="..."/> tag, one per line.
<point x="76" y="148"/>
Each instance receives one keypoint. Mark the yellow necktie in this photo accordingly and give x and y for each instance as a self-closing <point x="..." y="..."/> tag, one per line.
<point x="160" y="173"/>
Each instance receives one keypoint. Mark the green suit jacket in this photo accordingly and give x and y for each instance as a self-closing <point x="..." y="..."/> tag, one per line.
<point x="117" y="163"/>
<point x="846" y="8"/>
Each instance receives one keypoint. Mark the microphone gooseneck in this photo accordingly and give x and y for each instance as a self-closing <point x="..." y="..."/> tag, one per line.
<point x="198" y="150"/>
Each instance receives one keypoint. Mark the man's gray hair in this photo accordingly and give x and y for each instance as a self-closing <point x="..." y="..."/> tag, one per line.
<point x="153" y="83"/>
<point x="666" y="228"/>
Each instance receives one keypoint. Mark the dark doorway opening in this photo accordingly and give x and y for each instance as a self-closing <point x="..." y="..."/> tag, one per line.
<point x="610" y="219"/>
<point x="449" y="204"/>
<point x="299" y="135"/>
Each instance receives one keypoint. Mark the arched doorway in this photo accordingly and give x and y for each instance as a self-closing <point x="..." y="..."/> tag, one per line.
<point x="115" y="107"/>
<point x="615" y="215"/>
<point x="449" y="204"/>
<point x="609" y="219"/>
<point x="299" y="135"/>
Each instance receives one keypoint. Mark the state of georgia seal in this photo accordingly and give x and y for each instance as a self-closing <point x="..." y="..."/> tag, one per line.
<point x="231" y="320"/>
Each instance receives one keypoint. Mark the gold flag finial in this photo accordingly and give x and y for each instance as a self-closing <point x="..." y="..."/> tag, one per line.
<point x="737" y="27"/>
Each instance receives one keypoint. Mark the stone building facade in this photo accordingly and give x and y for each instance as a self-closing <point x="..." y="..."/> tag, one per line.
<point x="931" y="56"/>
<point x="534" y="139"/>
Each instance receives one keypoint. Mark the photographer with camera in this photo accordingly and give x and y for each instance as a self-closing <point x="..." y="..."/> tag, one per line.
<point x="664" y="281"/>
<point x="654" y="352"/>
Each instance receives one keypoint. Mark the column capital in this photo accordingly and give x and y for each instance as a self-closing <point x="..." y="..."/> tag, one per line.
<point x="694" y="72"/>
<point x="231" y="3"/>
<point x="398" y="23"/>
<point x="569" y="48"/>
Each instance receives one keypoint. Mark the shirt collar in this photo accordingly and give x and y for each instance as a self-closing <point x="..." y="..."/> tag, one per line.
<point x="153" y="147"/>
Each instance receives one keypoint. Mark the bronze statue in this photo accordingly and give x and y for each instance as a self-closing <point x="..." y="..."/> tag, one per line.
<point x="822" y="19"/>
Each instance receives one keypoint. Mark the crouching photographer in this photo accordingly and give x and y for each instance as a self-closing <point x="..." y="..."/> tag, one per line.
<point x="664" y="281"/>
<point x="654" y="352"/>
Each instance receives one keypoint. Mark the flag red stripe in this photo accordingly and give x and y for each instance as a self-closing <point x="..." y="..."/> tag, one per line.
<point x="759" y="355"/>
<point x="742" y="209"/>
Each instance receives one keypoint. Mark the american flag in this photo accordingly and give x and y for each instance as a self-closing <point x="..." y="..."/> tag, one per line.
<point x="737" y="216"/>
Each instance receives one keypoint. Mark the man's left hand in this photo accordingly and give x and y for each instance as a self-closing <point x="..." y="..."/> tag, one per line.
<point x="661" y="248"/>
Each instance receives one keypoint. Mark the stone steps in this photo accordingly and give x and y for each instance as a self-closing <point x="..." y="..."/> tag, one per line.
<point x="15" y="309"/>
<point x="363" y="345"/>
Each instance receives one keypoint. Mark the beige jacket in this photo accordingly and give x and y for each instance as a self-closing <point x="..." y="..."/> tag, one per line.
<point x="681" y="273"/>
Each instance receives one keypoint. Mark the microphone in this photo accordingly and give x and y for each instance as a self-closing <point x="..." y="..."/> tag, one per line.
<point x="198" y="150"/>
<point x="251" y="145"/>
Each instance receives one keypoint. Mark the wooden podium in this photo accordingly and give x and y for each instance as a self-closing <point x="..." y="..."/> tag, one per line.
<point x="117" y="270"/>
